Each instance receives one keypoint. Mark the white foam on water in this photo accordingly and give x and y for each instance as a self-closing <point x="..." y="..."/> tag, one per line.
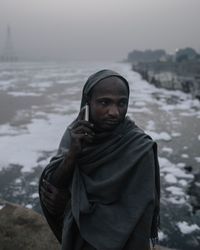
<point x="41" y="84"/>
<point x="33" y="183"/>
<point x="183" y="182"/>
<point x="159" y="136"/>
<point x="185" y="228"/>
<point x="186" y="114"/>
<point x="175" y="134"/>
<point x="5" y="84"/>
<point x="197" y="184"/>
<point x="185" y="156"/>
<point x="18" y="181"/>
<point x="150" y="125"/>
<point x="175" y="190"/>
<point x="14" y="93"/>
<point x="35" y="195"/>
<point x="168" y="167"/>
<point x="197" y="159"/>
<point x="176" y="200"/>
<point x="176" y="179"/>
<point x="29" y="206"/>
<point x="140" y="104"/>
<point x="181" y="164"/>
<point x="41" y="135"/>
<point x="8" y="130"/>
<point x="168" y="150"/>
<point x="162" y="236"/>
<point x="170" y="178"/>
<point x="138" y="110"/>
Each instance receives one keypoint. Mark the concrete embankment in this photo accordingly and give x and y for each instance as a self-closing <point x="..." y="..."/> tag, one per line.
<point x="23" y="229"/>
<point x="183" y="77"/>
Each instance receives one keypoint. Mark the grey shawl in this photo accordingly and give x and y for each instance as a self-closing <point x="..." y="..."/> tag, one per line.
<point x="114" y="192"/>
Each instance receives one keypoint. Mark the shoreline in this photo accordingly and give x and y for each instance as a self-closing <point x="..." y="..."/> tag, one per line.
<point x="170" y="81"/>
<point x="168" y="77"/>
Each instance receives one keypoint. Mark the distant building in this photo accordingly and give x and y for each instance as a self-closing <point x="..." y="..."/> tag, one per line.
<point x="8" y="54"/>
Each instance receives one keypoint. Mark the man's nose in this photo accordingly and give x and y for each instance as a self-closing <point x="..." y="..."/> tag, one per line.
<point x="113" y="111"/>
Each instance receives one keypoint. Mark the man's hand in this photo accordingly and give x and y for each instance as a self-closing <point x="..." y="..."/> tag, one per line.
<point x="81" y="132"/>
<point x="54" y="199"/>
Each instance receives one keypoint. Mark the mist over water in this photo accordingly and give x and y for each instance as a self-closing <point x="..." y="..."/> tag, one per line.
<point x="98" y="29"/>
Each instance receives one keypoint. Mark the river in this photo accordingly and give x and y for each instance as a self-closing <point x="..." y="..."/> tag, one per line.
<point x="38" y="100"/>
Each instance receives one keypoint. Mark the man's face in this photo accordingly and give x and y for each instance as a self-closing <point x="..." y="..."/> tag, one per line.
<point x="108" y="103"/>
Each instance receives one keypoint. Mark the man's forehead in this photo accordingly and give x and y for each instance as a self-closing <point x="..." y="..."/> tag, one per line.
<point x="111" y="85"/>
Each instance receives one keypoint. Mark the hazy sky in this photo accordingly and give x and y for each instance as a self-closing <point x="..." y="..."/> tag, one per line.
<point x="99" y="29"/>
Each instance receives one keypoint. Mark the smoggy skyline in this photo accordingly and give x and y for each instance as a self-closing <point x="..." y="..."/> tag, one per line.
<point x="98" y="29"/>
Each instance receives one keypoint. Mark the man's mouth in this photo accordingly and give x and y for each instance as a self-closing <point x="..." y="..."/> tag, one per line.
<point x="108" y="124"/>
<point x="111" y="122"/>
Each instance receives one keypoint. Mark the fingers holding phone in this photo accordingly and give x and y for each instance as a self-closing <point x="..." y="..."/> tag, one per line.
<point x="82" y="130"/>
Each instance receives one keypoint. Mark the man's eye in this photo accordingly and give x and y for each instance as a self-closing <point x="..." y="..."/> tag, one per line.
<point x="103" y="102"/>
<point x="123" y="103"/>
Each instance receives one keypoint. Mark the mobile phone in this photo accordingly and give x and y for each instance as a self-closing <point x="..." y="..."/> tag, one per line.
<point x="86" y="117"/>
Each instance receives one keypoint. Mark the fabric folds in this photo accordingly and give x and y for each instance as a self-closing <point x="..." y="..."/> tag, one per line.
<point x="115" y="189"/>
<point x="114" y="186"/>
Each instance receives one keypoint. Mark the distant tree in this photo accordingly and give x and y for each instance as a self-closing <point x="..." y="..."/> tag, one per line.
<point x="146" y="56"/>
<point x="186" y="54"/>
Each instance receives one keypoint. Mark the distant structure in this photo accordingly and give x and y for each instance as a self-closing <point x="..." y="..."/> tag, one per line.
<point x="8" y="54"/>
<point x="186" y="54"/>
<point x="146" y="56"/>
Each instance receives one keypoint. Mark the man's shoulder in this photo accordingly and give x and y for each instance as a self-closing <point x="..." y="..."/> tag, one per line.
<point x="136" y="129"/>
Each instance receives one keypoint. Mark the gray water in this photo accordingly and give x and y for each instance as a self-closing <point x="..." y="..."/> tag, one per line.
<point x="38" y="100"/>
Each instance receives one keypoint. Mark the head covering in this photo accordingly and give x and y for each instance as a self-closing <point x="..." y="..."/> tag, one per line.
<point x="96" y="78"/>
<point x="115" y="189"/>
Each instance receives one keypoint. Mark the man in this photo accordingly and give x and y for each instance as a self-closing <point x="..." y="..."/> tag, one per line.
<point x="101" y="191"/>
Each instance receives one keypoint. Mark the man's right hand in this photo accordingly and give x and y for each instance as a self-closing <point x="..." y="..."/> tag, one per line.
<point x="81" y="133"/>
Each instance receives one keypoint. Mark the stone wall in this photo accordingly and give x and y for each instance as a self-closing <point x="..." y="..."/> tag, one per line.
<point x="171" y="76"/>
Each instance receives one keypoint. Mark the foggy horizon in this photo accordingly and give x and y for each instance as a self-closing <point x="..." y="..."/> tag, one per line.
<point x="98" y="29"/>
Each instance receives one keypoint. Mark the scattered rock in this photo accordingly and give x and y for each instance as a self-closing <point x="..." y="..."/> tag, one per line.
<point x="188" y="169"/>
<point x="194" y="193"/>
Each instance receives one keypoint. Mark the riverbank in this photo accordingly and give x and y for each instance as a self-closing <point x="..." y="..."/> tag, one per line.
<point x="172" y="76"/>
<point x="23" y="229"/>
<point x="183" y="77"/>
